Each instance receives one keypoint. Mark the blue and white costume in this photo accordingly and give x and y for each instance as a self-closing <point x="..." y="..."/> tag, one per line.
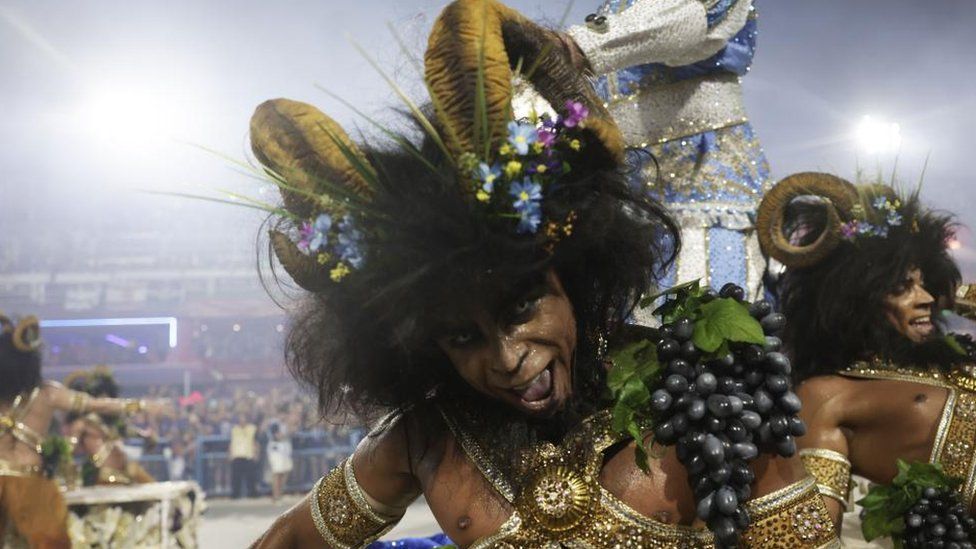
<point x="669" y="72"/>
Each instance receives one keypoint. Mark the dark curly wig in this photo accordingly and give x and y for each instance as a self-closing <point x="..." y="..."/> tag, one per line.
<point x="19" y="371"/>
<point x="367" y="347"/>
<point x="836" y="306"/>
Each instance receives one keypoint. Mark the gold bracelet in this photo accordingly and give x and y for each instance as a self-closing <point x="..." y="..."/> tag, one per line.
<point x="793" y="517"/>
<point x="80" y="402"/>
<point x="341" y="512"/>
<point x="131" y="406"/>
<point x="832" y="471"/>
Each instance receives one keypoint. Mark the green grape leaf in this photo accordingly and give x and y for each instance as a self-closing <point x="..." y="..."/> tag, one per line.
<point x="885" y="505"/>
<point x="634" y="372"/>
<point x="725" y="319"/>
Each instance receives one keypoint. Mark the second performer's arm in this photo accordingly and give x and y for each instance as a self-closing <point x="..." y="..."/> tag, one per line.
<point x="824" y="449"/>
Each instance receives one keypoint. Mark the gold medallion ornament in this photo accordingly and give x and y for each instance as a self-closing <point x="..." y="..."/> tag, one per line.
<point x="558" y="497"/>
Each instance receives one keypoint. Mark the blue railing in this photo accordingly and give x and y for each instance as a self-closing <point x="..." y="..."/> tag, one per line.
<point x="313" y="453"/>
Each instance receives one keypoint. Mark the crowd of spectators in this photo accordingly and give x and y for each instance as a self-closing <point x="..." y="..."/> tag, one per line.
<point x="258" y="431"/>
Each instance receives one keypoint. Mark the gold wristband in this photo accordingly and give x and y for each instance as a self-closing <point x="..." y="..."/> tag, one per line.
<point x="80" y="402"/>
<point x="131" y="406"/>
<point x="341" y="512"/>
<point x="793" y="517"/>
<point x="832" y="470"/>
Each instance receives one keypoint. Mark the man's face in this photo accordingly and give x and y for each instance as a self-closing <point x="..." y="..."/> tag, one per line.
<point x="909" y="308"/>
<point x="522" y="354"/>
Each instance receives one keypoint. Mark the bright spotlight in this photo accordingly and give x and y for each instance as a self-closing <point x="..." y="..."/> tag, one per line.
<point x="878" y="136"/>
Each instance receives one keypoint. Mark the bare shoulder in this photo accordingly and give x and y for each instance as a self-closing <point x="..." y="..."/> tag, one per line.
<point x="824" y="395"/>
<point x="386" y="460"/>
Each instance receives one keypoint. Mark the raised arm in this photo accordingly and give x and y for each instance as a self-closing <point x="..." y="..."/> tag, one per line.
<point x="65" y="399"/>
<point x="355" y="503"/>
<point x="824" y="448"/>
<point x="674" y="32"/>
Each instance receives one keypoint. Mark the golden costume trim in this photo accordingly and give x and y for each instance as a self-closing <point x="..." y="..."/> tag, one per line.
<point x="341" y="513"/>
<point x="560" y="502"/>
<point x="832" y="470"/>
<point x="80" y="402"/>
<point x="11" y="469"/>
<point x="955" y="439"/>
<point x="794" y="516"/>
<point x="12" y="422"/>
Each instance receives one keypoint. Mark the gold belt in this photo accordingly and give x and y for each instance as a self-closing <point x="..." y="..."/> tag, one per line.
<point x="11" y="469"/>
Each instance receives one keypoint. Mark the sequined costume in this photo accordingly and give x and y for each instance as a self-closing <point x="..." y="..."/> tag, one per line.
<point x="558" y="501"/>
<point x="669" y="72"/>
<point x="30" y="504"/>
<point x="130" y="473"/>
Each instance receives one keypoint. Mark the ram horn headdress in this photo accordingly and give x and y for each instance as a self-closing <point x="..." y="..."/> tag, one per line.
<point x="839" y="195"/>
<point x="475" y="51"/>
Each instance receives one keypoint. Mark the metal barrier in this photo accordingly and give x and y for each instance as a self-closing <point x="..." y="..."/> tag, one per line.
<point x="313" y="453"/>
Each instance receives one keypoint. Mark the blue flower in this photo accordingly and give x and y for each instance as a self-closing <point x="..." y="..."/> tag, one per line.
<point x="487" y="175"/>
<point x="880" y="203"/>
<point x="894" y="218"/>
<point x="350" y="243"/>
<point x="521" y="136"/>
<point x="527" y="194"/>
<point x="315" y="236"/>
<point x="529" y="218"/>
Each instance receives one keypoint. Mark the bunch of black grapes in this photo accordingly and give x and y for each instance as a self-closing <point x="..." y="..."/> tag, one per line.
<point x="939" y="519"/>
<point x="722" y="412"/>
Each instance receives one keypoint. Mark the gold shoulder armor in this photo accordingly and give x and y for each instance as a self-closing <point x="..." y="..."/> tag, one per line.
<point x="342" y="513"/>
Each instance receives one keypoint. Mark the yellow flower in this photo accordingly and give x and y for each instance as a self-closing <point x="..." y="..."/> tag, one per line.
<point x="505" y="149"/>
<point x="339" y="272"/>
<point x="513" y="168"/>
<point x="541" y="168"/>
<point x="482" y="195"/>
<point x="575" y="144"/>
<point x="537" y="147"/>
<point x="323" y="258"/>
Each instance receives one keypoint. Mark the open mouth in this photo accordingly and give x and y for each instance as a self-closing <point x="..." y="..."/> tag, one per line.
<point x="922" y="324"/>
<point x="536" y="394"/>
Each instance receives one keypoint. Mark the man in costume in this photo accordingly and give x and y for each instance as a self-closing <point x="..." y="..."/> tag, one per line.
<point x="99" y="436"/>
<point x="30" y="503"/>
<point x="669" y="73"/>
<point x="469" y="288"/>
<point x="868" y="278"/>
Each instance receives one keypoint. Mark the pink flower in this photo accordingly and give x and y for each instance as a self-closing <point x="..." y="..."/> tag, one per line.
<point x="576" y="113"/>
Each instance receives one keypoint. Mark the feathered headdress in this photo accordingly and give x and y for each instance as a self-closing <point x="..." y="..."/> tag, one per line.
<point x="343" y="213"/>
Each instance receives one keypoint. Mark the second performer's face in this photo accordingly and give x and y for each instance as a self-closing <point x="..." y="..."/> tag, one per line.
<point x="909" y="308"/>
<point x="521" y="355"/>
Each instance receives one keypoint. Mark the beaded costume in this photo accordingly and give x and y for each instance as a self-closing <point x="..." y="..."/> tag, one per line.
<point x="679" y="97"/>
<point x="560" y="503"/>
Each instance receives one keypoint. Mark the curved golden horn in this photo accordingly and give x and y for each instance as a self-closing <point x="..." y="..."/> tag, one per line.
<point x="473" y="35"/>
<point x="305" y="270"/>
<point x="841" y="197"/>
<point x="27" y="334"/>
<point x="310" y="151"/>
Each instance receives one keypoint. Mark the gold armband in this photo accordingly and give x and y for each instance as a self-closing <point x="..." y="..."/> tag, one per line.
<point x="131" y="406"/>
<point x="832" y="471"/>
<point x="80" y="402"/>
<point x="342" y="513"/>
<point x="793" y="517"/>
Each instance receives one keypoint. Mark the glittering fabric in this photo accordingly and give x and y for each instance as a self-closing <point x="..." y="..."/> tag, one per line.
<point x="955" y="438"/>
<point x="831" y="469"/>
<point x="558" y="501"/>
<point x="691" y="117"/>
<point x="431" y="542"/>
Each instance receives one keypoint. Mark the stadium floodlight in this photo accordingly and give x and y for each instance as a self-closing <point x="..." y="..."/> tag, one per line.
<point x="878" y="136"/>
<point x="169" y="321"/>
